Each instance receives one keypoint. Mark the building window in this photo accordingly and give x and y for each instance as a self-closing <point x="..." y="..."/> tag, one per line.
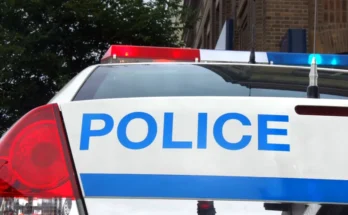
<point x="208" y="40"/>
<point x="200" y="44"/>
<point x="244" y="34"/>
<point x="207" y="32"/>
<point x="243" y="17"/>
<point x="217" y="20"/>
<point x="344" y="11"/>
<point x="335" y="11"/>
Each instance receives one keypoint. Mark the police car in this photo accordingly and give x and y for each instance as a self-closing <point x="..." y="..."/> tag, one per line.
<point x="157" y="131"/>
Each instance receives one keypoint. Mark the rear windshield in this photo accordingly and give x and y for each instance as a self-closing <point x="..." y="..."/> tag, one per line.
<point x="163" y="80"/>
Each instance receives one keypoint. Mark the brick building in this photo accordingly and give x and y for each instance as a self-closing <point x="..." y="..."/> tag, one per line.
<point x="280" y="25"/>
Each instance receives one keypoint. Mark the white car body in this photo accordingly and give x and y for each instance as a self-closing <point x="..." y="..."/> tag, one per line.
<point x="115" y="179"/>
<point x="300" y="163"/>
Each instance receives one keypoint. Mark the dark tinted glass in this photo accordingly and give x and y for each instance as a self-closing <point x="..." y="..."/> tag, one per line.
<point x="207" y="80"/>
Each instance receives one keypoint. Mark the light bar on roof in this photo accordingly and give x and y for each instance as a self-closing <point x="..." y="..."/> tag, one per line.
<point x="124" y="53"/>
<point x="302" y="59"/>
<point x="231" y="56"/>
<point x="129" y="54"/>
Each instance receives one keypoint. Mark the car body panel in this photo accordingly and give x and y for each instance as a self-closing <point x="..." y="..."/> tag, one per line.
<point x="109" y="170"/>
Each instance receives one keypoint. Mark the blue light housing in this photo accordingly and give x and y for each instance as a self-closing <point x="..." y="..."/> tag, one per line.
<point x="300" y="59"/>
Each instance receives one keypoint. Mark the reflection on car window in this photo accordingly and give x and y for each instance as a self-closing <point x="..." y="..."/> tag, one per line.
<point x="204" y="80"/>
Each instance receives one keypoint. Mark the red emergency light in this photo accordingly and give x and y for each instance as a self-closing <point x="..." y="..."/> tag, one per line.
<point x="128" y="54"/>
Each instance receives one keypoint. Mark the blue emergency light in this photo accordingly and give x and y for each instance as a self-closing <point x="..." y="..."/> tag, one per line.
<point x="301" y="59"/>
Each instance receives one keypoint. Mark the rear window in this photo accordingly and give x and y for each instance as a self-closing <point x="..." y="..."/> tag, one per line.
<point x="163" y="80"/>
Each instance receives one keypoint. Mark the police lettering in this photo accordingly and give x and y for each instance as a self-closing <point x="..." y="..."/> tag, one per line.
<point x="168" y="143"/>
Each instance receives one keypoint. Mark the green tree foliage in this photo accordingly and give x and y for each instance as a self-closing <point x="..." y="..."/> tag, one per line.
<point x="44" y="43"/>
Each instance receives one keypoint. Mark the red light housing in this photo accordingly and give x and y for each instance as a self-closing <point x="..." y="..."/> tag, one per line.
<point x="205" y="205"/>
<point x="35" y="158"/>
<point x="124" y="53"/>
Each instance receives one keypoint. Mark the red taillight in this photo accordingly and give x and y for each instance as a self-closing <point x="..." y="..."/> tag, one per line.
<point x="123" y="53"/>
<point x="206" y="207"/>
<point x="35" y="157"/>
